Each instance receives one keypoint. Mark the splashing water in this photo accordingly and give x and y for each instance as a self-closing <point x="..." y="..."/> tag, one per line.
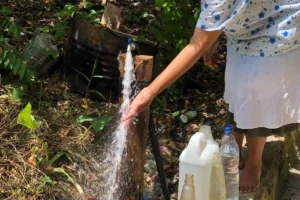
<point x="119" y="135"/>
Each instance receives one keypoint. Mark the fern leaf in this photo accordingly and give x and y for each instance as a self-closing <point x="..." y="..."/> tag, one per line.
<point x="22" y="70"/>
<point x="5" y="24"/>
<point x="28" y="74"/>
<point x="17" y="66"/>
<point x="12" y="62"/>
<point x="7" y="59"/>
<point x="2" y="56"/>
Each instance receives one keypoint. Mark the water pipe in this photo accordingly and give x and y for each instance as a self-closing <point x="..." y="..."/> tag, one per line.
<point x="158" y="159"/>
<point x="133" y="46"/>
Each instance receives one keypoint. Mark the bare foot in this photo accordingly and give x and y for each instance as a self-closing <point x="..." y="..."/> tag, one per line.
<point x="250" y="178"/>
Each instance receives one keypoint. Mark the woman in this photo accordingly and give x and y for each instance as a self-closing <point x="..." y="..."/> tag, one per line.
<point x="262" y="85"/>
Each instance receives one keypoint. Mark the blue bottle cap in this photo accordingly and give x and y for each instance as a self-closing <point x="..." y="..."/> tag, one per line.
<point x="227" y="129"/>
<point x="129" y="40"/>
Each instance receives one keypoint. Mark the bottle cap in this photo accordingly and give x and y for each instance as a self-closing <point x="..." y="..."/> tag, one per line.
<point x="129" y="40"/>
<point x="227" y="129"/>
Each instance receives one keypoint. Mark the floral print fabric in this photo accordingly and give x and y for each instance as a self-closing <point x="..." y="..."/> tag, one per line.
<point x="254" y="27"/>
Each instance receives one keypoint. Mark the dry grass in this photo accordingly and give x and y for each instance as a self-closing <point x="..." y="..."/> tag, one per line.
<point x="56" y="111"/>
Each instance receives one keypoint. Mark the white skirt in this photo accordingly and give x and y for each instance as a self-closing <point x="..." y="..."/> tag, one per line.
<point x="263" y="91"/>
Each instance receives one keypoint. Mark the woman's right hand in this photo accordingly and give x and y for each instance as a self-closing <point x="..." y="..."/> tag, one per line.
<point x="142" y="101"/>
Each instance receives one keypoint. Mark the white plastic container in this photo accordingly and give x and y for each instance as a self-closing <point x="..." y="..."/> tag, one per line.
<point x="197" y="159"/>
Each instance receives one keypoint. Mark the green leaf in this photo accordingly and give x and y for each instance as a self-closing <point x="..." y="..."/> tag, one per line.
<point x="96" y="21"/>
<point x="67" y="12"/>
<point x="22" y="70"/>
<point x="7" y="59"/>
<point x="98" y="76"/>
<point x="94" y="91"/>
<point x="63" y="171"/>
<point x="17" y="31"/>
<point x="5" y="10"/>
<point x="17" y="66"/>
<point x="144" y="15"/>
<point x="16" y="191"/>
<point x="11" y="28"/>
<point x="45" y="29"/>
<point x="84" y="118"/>
<point x="26" y="119"/>
<point x="5" y="24"/>
<point x="60" y="34"/>
<point x="3" y="55"/>
<point x="13" y="59"/>
<point x="175" y="114"/>
<point x="81" y="74"/>
<point x="161" y="101"/>
<point x="47" y="179"/>
<point x="87" y="4"/>
<point x="16" y="95"/>
<point x="93" y="12"/>
<point x="100" y="11"/>
<point x="141" y="38"/>
<point x="60" y="26"/>
<point x="28" y="74"/>
<point x="101" y="122"/>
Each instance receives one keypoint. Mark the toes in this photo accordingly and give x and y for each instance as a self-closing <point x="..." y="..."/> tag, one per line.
<point x="243" y="189"/>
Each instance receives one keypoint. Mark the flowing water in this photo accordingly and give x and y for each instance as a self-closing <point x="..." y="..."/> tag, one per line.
<point x="118" y="146"/>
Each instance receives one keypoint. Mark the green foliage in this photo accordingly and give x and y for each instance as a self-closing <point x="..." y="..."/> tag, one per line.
<point x="89" y="79"/>
<point x="16" y="95"/>
<point x="174" y="27"/>
<point x="97" y="123"/>
<point x="84" y="10"/>
<point x="9" y="59"/>
<point x="173" y="30"/>
<point x="171" y="95"/>
<point x="47" y="179"/>
<point x="26" y="119"/>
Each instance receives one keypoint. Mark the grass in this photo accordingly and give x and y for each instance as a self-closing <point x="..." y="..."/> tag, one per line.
<point x="24" y="173"/>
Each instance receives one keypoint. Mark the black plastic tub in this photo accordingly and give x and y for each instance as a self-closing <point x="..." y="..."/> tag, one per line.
<point x="85" y="43"/>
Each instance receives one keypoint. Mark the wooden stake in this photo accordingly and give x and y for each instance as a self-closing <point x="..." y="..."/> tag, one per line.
<point x="134" y="161"/>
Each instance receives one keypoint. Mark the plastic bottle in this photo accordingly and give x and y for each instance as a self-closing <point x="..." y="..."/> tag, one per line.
<point x="217" y="179"/>
<point x="188" y="190"/>
<point x="230" y="159"/>
<point x="197" y="159"/>
<point x="188" y="116"/>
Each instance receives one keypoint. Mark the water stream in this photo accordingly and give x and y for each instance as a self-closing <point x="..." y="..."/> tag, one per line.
<point x="118" y="146"/>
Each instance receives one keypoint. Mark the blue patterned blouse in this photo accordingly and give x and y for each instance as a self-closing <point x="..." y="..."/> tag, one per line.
<point x="255" y="27"/>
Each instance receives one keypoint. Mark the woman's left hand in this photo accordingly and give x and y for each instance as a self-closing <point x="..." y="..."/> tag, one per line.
<point x="212" y="58"/>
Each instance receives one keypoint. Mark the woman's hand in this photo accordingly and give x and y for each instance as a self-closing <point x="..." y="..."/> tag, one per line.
<point x="142" y="101"/>
<point x="201" y="43"/>
<point x="212" y="58"/>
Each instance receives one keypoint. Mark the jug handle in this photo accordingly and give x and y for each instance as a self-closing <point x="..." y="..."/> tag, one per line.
<point x="197" y="143"/>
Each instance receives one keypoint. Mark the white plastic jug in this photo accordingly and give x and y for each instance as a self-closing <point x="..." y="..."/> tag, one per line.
<point x="197" y="158"/>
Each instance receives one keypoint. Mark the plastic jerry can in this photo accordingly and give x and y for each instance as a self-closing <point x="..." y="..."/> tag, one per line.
<point x="197" y="159"/>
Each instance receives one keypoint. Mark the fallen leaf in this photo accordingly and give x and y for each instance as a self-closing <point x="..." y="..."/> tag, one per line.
<point x="31" y="160"/>
<point x="64" y="132"/>
<point x="85" y="106"/>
